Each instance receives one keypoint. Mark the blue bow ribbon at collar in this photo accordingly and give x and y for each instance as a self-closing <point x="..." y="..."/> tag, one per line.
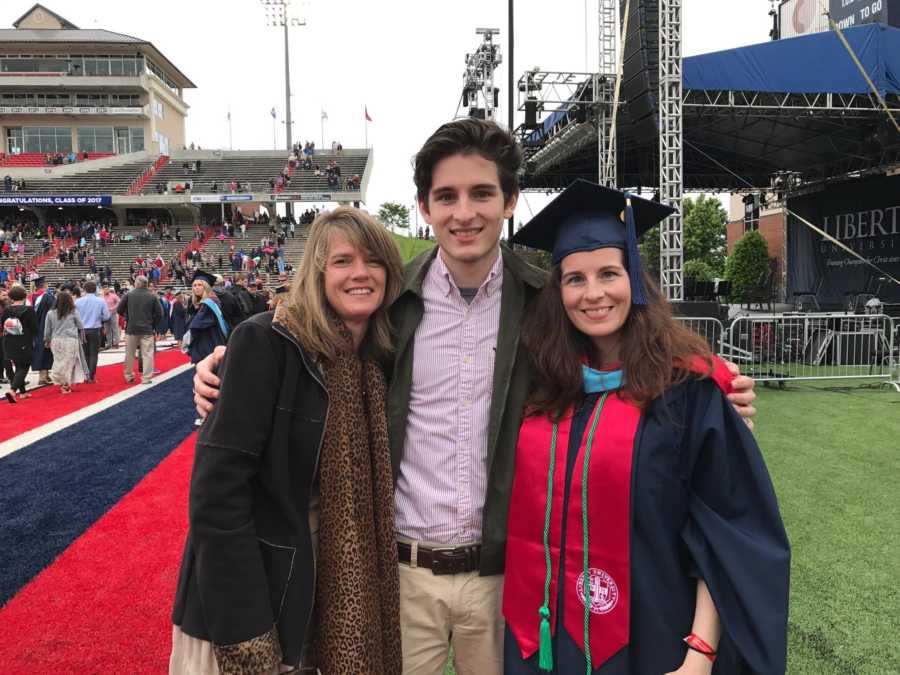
<point x="596" y="381"/>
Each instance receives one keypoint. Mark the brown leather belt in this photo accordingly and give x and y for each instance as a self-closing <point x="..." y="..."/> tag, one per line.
<point x="443" y="560"/>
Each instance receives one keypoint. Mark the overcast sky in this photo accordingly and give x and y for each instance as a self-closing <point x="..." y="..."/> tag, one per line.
<point x="404" y="59"/>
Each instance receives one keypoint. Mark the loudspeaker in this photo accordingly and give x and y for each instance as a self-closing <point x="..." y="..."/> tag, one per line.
<point x="530" y="113"/>
<point x="477" y="113"/>
<point x="640" y="71"/>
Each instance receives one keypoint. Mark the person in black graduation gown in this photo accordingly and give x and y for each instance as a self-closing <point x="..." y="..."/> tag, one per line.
<point x="43" y="300"/>
<point x="630" y="451"/>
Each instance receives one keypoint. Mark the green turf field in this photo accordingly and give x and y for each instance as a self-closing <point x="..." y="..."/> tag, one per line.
<point x="834" y="455"/>
<point x="410" y="247"/>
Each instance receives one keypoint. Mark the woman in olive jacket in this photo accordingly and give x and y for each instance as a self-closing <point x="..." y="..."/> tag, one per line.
<point x="298" y="443"/>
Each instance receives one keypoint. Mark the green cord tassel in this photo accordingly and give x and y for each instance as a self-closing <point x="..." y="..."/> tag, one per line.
<point x="546" y="653"/>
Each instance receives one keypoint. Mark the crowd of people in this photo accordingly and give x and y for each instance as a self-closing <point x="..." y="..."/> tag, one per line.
<point x="10" y="185"/>
<point x="59" y="330"/>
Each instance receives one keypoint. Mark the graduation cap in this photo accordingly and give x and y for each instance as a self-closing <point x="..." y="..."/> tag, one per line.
<point x="39" y="281"/>
<point x="282" y="289"/>
<point x="204" y="276"/>
<point x="586" y="216"/>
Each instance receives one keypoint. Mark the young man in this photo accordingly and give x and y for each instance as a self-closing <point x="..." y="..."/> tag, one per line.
<point x="455" y="400"/>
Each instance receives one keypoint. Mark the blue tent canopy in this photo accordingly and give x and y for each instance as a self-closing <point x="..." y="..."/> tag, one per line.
<point x="808" y="64"/>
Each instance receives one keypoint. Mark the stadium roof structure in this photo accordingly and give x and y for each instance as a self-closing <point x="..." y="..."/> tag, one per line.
<point x="71" y="35"/>
<point x="798" y="105"/>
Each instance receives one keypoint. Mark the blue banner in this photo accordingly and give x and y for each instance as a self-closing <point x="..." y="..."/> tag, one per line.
<point x="56" y="200"/>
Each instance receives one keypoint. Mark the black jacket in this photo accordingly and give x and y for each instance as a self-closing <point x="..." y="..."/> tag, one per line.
<point x="19" y="347"/>
<point x="248" y="560"/>
<point x="141" y="310"/>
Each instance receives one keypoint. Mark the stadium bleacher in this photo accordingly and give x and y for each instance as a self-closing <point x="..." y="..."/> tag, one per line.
<point x="37" y="159"/>
<point x="254" y="172"/>
<point x="119" y="256"/>
<point x="109" y="180"/>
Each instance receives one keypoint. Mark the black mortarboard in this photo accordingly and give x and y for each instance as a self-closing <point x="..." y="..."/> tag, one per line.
<point x="39" y="280"/>
<point x="282" y="289"/>
<point x="587" y="216"/>
<point x="204" y="276"/>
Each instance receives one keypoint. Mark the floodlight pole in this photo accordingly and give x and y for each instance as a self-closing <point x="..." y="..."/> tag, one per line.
<point x="287" y="84"/>
<point x="279" y="16"/>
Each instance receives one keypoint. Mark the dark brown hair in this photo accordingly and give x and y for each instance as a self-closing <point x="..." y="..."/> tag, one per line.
<point x="65" y="305"/>
<point x="17" y="294"/>
<point x="652" y="346"/>
<point x="469" y="136"/>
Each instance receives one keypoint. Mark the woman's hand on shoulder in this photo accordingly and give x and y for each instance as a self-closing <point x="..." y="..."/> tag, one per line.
<point x="206" y="382"/>
<point x="743" y="394"/>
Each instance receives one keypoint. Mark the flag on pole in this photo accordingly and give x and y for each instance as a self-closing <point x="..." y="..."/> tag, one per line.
<point x="273" y="113"/>
<point x="324" y="115"/>
<point x="368" y="119"/>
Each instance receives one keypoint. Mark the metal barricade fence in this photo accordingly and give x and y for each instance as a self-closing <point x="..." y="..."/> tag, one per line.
<point x="895" y="358"/>
<point x="778" y="347"/>
<point x="708" y="328"/>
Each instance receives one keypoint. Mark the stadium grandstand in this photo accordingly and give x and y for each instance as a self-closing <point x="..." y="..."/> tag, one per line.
<point x="93" y="128"/>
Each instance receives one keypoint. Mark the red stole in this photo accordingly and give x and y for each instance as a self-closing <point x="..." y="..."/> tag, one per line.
<point x="609" y="528"/>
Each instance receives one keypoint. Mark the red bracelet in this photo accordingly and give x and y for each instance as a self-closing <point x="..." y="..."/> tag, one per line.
<point x="700" y="645"/>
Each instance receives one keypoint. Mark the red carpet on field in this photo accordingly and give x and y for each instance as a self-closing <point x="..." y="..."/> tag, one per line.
<point x="47" y="403"/>
<point x="104" y="604"/>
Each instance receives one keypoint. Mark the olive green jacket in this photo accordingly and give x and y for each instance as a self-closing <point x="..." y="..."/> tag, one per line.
<point x="521" y="283"/>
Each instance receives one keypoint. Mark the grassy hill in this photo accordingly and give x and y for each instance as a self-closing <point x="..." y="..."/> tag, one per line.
<point x="411" y="247"/>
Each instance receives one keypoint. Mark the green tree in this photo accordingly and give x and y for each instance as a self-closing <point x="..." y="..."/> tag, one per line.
<point x="704" y="240"/>
<point x="699" y="270"/>
<point x="705" y="232"/>
<point x="394" y="216"/>
<point x="748" y="265"/>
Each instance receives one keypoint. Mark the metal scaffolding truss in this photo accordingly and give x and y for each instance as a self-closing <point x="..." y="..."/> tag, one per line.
<point x="479" y="96"/>
<point x="554" y="90"/>
<point x="569" y="141"/>
<point x="604" y="88"/>
<point x="671" y="183"/>
<point x="567" y="98"/>
<point x="781" y="103"/>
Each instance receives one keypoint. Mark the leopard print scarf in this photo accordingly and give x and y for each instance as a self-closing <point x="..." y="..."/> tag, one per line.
<point x="357" y="605"/>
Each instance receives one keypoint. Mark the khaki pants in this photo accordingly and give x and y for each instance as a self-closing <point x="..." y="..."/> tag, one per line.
<point x="145" y="343"/>
<point x="462" y="610"/>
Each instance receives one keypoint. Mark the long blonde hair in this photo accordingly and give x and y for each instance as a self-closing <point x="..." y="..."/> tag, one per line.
<point x="306" y="300"/>
<point x="207" y="291"/>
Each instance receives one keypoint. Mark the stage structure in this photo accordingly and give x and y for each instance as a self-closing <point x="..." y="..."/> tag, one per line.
<point x="480" y="98"/>
<point x="577" y="111"/>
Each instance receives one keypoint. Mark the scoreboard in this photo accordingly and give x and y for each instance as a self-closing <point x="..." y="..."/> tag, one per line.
<point x="848" y="13"/>
<point x="800" y="17"/>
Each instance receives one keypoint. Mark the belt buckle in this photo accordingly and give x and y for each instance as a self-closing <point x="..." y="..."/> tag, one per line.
<point x="449" y="560"/>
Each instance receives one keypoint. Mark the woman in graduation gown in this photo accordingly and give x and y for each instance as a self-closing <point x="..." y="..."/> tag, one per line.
<point x="637" y="484"/>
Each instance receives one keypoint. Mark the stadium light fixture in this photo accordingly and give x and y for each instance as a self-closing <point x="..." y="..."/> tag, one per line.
<point x="278" y="15"/>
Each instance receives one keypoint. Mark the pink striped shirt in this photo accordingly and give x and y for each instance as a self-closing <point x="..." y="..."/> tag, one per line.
<point x="443" y="473"/>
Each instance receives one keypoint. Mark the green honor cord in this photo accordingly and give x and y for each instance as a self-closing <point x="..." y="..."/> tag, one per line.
<point x="584" y="530"/>
<point x="545" y="658"/>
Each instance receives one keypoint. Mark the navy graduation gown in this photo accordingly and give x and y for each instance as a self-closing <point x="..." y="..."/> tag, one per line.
<point x="702" y="506"/>
<point x="42" y="357"/>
